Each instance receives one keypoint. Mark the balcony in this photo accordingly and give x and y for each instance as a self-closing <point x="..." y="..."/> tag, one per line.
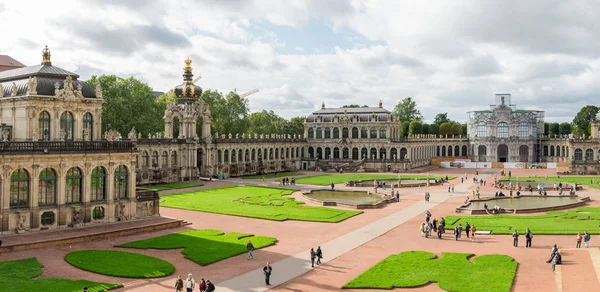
<point x="144" y="194"/>
<point x="64" y="147"/>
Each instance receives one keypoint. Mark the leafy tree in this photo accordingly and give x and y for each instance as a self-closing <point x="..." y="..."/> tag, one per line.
<point x="353" y="106"/>
<point x="425" y="129"/>
<point x="450" y="128"/>
<point x="265" y="122"/>
<point x="297" y="126"/>
<point x="546" y="129"/>
<point x="415" y="128"/>
<point x="129" y="103"/>
<point x="406" y="111"/>
<point x="441" y="118"/>
<point x="564" y="128"/>
<point x="434" y="129"/>
<point x="229" y="113"/>
<point x="583" y="119"/>
<point x="554" y="129"/>
<point x="463" y="129"/>
<point x="404" y="128"/>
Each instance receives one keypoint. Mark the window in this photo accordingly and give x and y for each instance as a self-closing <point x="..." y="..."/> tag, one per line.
<point x="67" y="126"/>
<point x="154" y="158"/>
<point x="121" y="176"/>
<point x="355" y="133"/>
<point x="73" y="185"/>
<point x="47" y="193"/>
<point x="174" y="158"/>
<point x="19" y="189"/>
<point x="88" y="127"/>
<point x="481" y="129"/>
<point x="578" y="154"/>
<point x="327" y="133"/>
<point x="382" y="134"/>
<point x="336" y="133"/>
<point x="44" y="126"/>
<point x="523" y="130"/>
<point x="319" y="133"/>
<point x="165" y="159"/>
<point x="373" y="133"/>
<point x="47" y="218"/>
<point x="98" y="213"/>
<point x="98" y="182"/>
<point x="589" y="154"/>
<point x="311" y="133"/>
<point x="144" y="158"/>
<point x="363" y="133"/>
<point x="502" y="130"/>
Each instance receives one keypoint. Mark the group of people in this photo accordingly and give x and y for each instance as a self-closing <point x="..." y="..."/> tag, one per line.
<point x="431" y="225"/>
<point x="528" y="238"/>
<point x="316" y="255"/>
<point x="469" y="231"/>
<point x="189" y="284"/>
<point x="286" y="181"/>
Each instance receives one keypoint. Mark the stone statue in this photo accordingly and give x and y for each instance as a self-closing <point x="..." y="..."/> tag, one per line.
<point x="75" y="217"/>
<point x="255" y="136"/>
<point x="86" y="134"/>
<point x="1" y="90"/>
<point x="502" y="100"/>
<point x="120" y="212"/>
<point x="36" y="134"/>
<point x="5" y="135"/>
<point x="13" y="90"/>
<point x="61" y="135"/>
<point x="217" y="135"/>
<point x="98" y="90"/>
<point x="79" y="87"/>
<point x="68" y="83"/>
<point x="237" y="136"/>
<point x="229" y="136"/>
<point x="56" y="88"/>
<point x="222" y="136"/>
<point x="32" y="86"/>
<point x="131" y="135"/>
<point x="139" y="135"/>
<point x="21" y="221"/>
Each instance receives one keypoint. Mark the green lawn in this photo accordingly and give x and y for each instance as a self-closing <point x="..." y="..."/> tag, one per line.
<point x="175" y="186"/>
<point x="120" y="263"/>
<point x="204" y="246"/>
<point x="554" y="222"/>
<point x="580" y="180"/>
<point x="327" y="179"/>
<point x="452" y="272"/>
<point x="17" y="276"/>
<point x="253" y="202"/>
<point x="273" y="175"/>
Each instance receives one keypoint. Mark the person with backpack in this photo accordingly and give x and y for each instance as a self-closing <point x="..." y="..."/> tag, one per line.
<point x="179" y="284"/>
<point x="319" y="255"/>
<point x="250" y="248"/>
<point x="586" y="239"/>
<point x="515" y="236"/>
<point x="528" y="237"/>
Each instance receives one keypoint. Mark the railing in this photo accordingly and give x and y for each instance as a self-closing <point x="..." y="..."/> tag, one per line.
<point x="143" y="194"/>
<point x="57" y="147"/>
<point x="258" y="140"/>
<point x="156" y="141"/>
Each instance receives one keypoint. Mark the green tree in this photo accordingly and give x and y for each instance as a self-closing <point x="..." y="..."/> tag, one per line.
<point x="406" y="111"/>
<point x="353" y="106"/>
<point x="404" y="127"/>
<point x="441" y="118"/>
<point x="450" y="128"/>
<point x="463" y="129"/>
<point x="297" y="126"/>
<point x="229" y="113"/>
<point x="583" y="119"/>
<point x="415" y="128"/>
<point x="265" y="122"/>
<point x="546" y="129"/>
<point x="564" y="128"/>
<point x="425" y="129"/>
<point x="434" y="129"/>
<point x="554" y="129"/>
<point x="129" y="103"/>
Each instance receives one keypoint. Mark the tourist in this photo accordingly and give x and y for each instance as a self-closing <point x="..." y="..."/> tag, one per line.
<point x="250" y="248"/>
<point x="427" y="216"/>
<point x="579" y="238"/>
<point x="449" y="186"/>
<point x="189" y="283"/>
<point x="427" y="197"/>
<point x="178" y="284"/>
<point x="586" y="239"/>
<point x="453" y="188"/>
<point x="557" y="260"/>
<point x="332" y="186"/>
<point x="434" y="224"/>
<point x="202" y="286"/>
<point x="467" y="229"/>
<point x="515" y="236"/>
<point x="397" y="196"/>
<point x="422" y="229"/>
<point x="85" y="289"/>
<point x="268" y="270"/>
<point x="440" y="230"/>
<point x="457" y="231"/>
<point x="313" y="256"/>
<point x="319" y="255"/>
<point x="473" y="232"/>
<point x="462" y="179"/>
<point x="553" y="254"/>
<point x="528" y="237"/>
<point x="210" y="287"/>
<point x="427" y="230"/>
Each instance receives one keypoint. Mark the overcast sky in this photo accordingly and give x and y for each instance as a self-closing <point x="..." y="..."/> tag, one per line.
<point x="450" y="56"/>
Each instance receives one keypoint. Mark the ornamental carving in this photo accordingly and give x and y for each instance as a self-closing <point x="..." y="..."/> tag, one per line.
<point x="99" y="91"/>
<point x="13" y="90"/>
<point x="68" y="92"/>
<point x="32" y="86"/>
<point x="1" y="90"/>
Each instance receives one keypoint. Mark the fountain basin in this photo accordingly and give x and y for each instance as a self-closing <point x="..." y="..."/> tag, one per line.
<point x="548" y="185"/>
<point x="351" y="199"/>
<point x="404" y="183"/>
<point x="523" y="204"/>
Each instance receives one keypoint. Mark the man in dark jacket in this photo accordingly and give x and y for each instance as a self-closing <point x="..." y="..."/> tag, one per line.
<point x="268" y="270"/>
<point x="210" y="287"/>
<point x="319" y="255"/>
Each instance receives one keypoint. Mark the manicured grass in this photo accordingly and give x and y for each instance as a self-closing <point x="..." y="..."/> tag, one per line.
<point x="554" y="222"/>
<point x="120" y="263"/>
<point x="254" y="202"/>
<point x="327" y="179"/>
<point x="453" y="272"/>
<point x="17" y="276"/>
<point x="580" y="180"/>
<point x="273" y="175"/>
<point x="175" y="186"/>
<point x="204" y="246"/>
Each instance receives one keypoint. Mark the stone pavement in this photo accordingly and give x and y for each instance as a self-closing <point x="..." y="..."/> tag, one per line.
<point x="299" y="264"/>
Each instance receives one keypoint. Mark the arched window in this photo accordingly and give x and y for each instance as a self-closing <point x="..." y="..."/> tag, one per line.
<point x="502" y="130"/>
<point x="319" y="133"/>
<point x="67" y="126"/>
<point x="373" y="133"/>
<point x="253" y="155"/>
<point x="154" y="158"/>
<point x="336" y="133"/>
<point x="73" y="185"/>
<point x="174" y="159"/>
<point x="98" y="181"/>
<point x="226" y="156"/>
<point x="578" y="154"/>
<point x="336" y="153"/>
<point x="327" y="133"/>
<point x="355" y="133"/>
<point x="165" y="159"/>
<point x="345" y="133"/>
<point x="355" y="154"/>
<point x="47" y="193"/>
<point x="364" y="153"/>
<point x="88" y="126"/>
<point x="545" y="150"/>
<point x="240" y="153"/>
<point x="311" y="152"/>
<point x="552" y="150"/>
<point x="403" y="153"/>
<point x="394" y="154"/>
<point x="19" y="189"/>
<point x="481" y="129"/>
<point x="311" y="133"/>
<point x="558" y="151"/>
<point x="373" y="153"/>
<point x="589" y="154"/>
<point x="523" y="130"/>
<point x="121" y="182"/>
<point x="363" y="133"/>
<point x="44" y="126"/>
<point x="144" y="158"/>
<point x="382" y="133"/>
<point x="327" y="153"/>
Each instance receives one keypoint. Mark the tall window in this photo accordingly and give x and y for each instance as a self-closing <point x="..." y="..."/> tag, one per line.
<point x="144" y="158"/>
<point x="523" y="130"/>
<point x="121" y="182"/>
<point x="319" y="133"/>
<point x="373" y="133"/>
<point x="19" y="189"/>
<point x="154" y="158"/>
<point x="363" y="133"/>
<point x="336" y="133"/>
<point x="47" y="194"/>
<point x="88" y="126"/>
<point x="165" y="159"/>
<point x="481" y="129"/>
<point x="98" y="181"/>
<point x="578" y="154"/>
<point x="327" y="133"/>
<point x="382" y="134"/>
<point x="311" y="133"/>
<point x="174" y="158"/>
<point x="44" y="126"/>
<point x="67" y="125"/>
<point x="502" y="130"/>
<point x="354" y="133"/>
<point x="73" y="185"/>
<point x="345" y="133"/>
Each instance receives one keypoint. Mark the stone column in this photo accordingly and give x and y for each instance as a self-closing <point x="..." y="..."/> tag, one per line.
<point x="34" y="188"/>
<point x="4" y="201"/>
<point x="86" y="192"/>
<point x="61" y="216"/>
<point x="110" y="193"/>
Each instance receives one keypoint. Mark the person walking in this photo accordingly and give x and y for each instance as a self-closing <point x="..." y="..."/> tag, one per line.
<point x="473" y="232"/>
<point x="467" y="229"/>
<point x="210" y="287"/>
<point x="179" y="284"/>
<point x="319" y="255"/>
<point x="189" y="283"/>
<point x="250" y="248"/>
<point x="397" y="196"/>
<point x="268" y="270"/>
<point x="332" y="186"/>
<point x="427" y="216"/>
<point x="553" y="254"/>
<point x="453" y="188"/>
<point x="515" y="236"/>
<point x="579" y="238"/>
<point x="427" y="230"/>
<point x="313" y="256"/>
<point x="528" y="237"/>
<point x="456" y="233"/>
<point x="586" y="239"/>
<point x="422" y="229"/>
<point x="202" y="286"/>
<point x="434" y="224"/>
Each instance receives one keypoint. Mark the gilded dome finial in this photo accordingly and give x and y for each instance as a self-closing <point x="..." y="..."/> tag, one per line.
<point x="187" y="71"/>
<point x="46" y="56"/>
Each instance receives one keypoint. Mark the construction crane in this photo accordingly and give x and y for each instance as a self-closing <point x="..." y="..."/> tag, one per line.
<point x="248" y="93"/>
<point x="196" y="80"/>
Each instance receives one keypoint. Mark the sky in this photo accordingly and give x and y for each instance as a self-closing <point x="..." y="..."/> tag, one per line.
<point x="450" y="56"/>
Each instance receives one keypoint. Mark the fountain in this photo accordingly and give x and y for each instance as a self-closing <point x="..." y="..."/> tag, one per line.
<point x="352" y="199"/>
<point x="523" y="204"/>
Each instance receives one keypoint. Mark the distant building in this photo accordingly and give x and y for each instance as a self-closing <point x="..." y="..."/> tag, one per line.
<point x="8" y="63"/>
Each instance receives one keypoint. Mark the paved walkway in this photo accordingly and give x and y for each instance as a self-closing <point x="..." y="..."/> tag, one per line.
<point x="299" y="264"/>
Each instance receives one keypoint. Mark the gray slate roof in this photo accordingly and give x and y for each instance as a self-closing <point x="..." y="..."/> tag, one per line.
<point x="351" y="110"/>
<point x="36" y="70"/>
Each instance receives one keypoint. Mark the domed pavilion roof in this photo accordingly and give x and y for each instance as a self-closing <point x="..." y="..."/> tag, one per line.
<point x="187" y="92"/>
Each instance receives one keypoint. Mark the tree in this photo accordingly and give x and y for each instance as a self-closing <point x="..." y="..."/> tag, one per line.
<point x="554" y="130"/>
<point x="434" y="129"/>
<point x="546" y="129"/>
<point x="353" y="106"/>
<point x="564" y="128"/>
<point x="415" y="128"/>
<point x="463" y="129"/>
<point x="229" y="113"/>
<point x="425" y="129"/>
<point x="404" y="128"/>
<point x="129" y="103"/>
<point x="583" y="119"/>
<point x="297" y="126"/>
<point x="265" y="122"/>
<point x="406" y="111"/>
<point x="450" y="128"/>
<point x="441" y="118"/>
